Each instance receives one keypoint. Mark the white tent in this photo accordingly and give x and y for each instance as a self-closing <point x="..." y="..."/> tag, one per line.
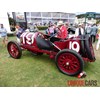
<point x="4" y="20"/>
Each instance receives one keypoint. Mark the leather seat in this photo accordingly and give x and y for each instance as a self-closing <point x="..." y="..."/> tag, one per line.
<point x="44" y="44"/>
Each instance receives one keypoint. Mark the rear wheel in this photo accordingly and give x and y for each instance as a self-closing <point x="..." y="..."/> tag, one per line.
<point x="14" y="49"/>
<point x="69" y="62"/>
<point x="82" y="50"/>
<point x="89" y="48"/>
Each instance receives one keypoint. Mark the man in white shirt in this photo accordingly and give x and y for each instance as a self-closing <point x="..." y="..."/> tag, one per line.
<point x="3" y="34"/>
<point x="79" y="31"/>
<point x="88" y="29"/>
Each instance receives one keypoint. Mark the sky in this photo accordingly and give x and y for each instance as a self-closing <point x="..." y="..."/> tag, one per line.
<point x="69" y="6"/>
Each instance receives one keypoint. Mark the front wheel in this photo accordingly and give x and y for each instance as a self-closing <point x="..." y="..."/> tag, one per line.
<point x="69" y="62"/>
<point x="14" y="49"/>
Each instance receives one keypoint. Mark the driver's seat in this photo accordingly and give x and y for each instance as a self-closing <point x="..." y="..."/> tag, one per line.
<point x="44" y="44"/>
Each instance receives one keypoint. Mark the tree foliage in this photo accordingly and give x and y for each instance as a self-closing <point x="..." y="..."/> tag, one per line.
<point x="12" y="21"/>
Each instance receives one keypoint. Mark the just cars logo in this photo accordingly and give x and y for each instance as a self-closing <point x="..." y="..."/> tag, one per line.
<point x="89" y="83"/>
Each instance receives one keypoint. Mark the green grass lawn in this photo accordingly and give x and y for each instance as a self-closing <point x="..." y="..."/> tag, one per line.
<point x="37" y="71"/>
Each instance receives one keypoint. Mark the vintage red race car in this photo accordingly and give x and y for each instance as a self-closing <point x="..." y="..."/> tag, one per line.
<point x="69" y="54"/>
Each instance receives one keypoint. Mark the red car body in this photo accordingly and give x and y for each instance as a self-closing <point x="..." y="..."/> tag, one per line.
<point x="69" y="54"/>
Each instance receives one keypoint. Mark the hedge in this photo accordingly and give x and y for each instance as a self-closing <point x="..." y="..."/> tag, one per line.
<point x="42" y="27"/>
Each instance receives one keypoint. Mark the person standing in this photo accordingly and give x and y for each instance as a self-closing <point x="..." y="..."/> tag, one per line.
<point x="19" y="31"/>
<point x="98" y="42"/>
<point x="3" y="33"/>
<point x="79" y="30"/>
<point x="63" y="33"/>
<point x="50" y="30"/>
<point x="88" y="29"/>
<point x="93" y="32"/>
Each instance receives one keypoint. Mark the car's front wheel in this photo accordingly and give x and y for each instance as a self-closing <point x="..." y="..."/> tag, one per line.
<point x="14" y="49"/>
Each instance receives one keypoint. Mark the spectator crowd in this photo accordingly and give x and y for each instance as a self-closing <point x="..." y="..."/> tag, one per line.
<point x="62" y="30"/>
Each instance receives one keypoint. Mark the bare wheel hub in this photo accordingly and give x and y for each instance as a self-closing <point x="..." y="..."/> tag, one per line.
<point x="67" y="63"/>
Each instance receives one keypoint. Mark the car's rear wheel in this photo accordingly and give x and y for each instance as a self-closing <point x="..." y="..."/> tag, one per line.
<point x="82" y="46"/>
<point x="69" y="62"/>
<point x="89" y="48"/>
<point x="14" y="49"/>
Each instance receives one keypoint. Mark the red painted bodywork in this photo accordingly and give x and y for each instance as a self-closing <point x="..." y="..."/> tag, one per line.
<point x="63" y="44"/>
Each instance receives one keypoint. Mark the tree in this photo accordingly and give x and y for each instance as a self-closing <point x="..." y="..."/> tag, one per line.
<point x="12" y="21"/>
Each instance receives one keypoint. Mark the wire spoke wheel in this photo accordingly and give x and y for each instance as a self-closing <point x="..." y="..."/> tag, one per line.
<point x="69" y="62"/>
<point x="89" y="48"/>
<point x="14" y="49"/>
